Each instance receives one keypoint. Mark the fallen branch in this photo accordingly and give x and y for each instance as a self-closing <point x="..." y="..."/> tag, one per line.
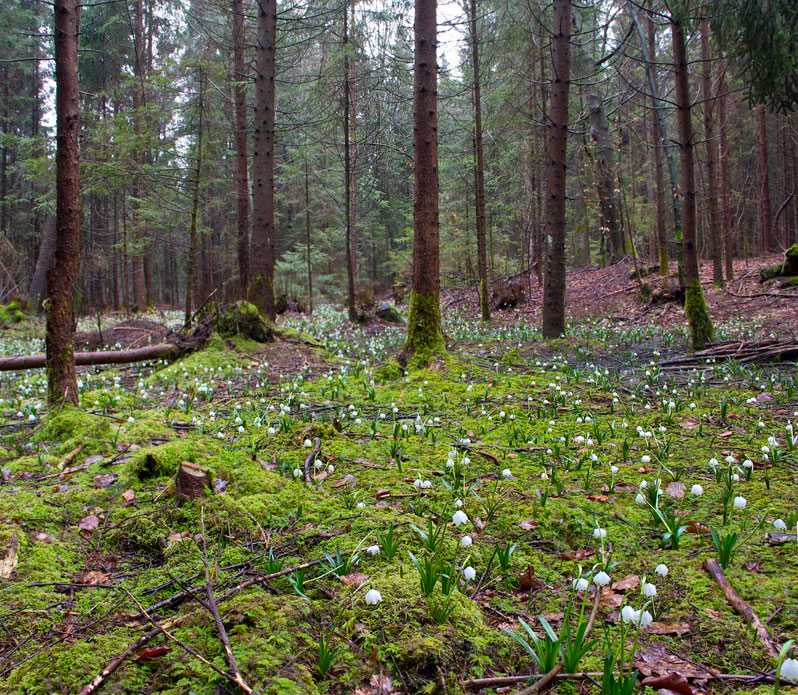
<point x="551" y="675"/>
<point x="115" y="663"/>
<point x="82" y="359"/>
<point x="713" y="568"/>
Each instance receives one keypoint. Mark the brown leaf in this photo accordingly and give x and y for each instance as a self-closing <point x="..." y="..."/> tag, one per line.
<point x="382" y="493"/>
<point x="645" y="469"/>
<point x="528" y="525"/>
<point x="630" y="581"/>
<point x="348" y="479"/>
<point x="104" y="479"/>
<point x="43" y="537"/>
<point x="354" y="579"/>
<point x="657" y="628"/>
<point x="577" y="555"/>
<point x="725" y="435"/>
<point x="690" y="423"/>
<point x="610" y="599"/>
<point x="527" y="581"/>
<point x="129" y="496"/>
<point x="697" y="528"/>
<point x="673" y="682"/>
<point x="89" y="523"/>
<point x="754" y="566"/>
<point x="657" y="660"/>
<point x="478" y="523"/>
<point x="93" y="577"/>
<point x="598" y="498"/>
<point x="675" y="489"/>
<point x="151" y="653"/>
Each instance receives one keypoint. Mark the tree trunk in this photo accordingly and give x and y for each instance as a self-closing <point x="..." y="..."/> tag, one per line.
<point x="554" y="281"/>
<point x="307" y="235"/>
<point x="701" y="331"/>
<point x="725" y="180"/>
<point x="424" y="318"/>
<point x="139" y="284"/>
<point x="264" y="236"/>
<point x="658" y="138"/>
<point x="242" y="175"/>
<point x="479" y="173"/>
<point x="767" y="224"/>
<point x="715" y="232"/>
<point x="191" y="261"/>
<point x="605" y="176"/>
<point x="62" y="384"/>
<point x="38" y="285"/>
<point x="348" y="177"/>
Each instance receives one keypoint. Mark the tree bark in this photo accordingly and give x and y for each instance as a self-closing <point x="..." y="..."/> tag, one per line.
<point x="658" y="139"/>
<point x="715" y="231"/>
<point x="307" y="235"/>
<point x="139" y="284"/>
<point x="479" y="172"/>
<point x="242" y="175"/>
<point x="605" y="176"/>
<point x="554" y="281"/>
<point x="767" y="224"/>
<point x="701" y="331"/>
<point x="62" y="385"/>
<point x="725" y="180"/>
<point x="264" y="235"/>
<point x="424" y="318"/>
<point x="83" y="359"/>
<point x="191" y="261"/>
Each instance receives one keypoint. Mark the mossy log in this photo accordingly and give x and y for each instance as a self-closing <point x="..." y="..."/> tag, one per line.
<point x="787" y="267"/>
<point x="388" y="313"/>
<point x="82" y="359"/>
<point x="192" y="480"/>
<point x="244" y="319"/>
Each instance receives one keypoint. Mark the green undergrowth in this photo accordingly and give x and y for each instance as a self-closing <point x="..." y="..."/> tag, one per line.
<point x="551" y="443"/>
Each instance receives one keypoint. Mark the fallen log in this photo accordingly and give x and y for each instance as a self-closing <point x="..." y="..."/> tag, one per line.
<point x="713" y="568"/>
<point x="82" y="359"/>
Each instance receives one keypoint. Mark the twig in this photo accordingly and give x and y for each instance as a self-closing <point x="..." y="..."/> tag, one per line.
<point x="214" y="609"/>
<point x="713" y="568"/>
<point x="311" y="458"/>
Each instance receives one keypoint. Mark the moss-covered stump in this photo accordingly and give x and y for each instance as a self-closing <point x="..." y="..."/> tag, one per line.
<point x="243" y="318"/>
<point x="787" y="267"/>
<point x="424" y="335"/>
<point x="388" y="313"/>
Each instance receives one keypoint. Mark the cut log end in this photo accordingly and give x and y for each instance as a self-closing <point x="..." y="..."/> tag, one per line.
<point x="192" y="481"/>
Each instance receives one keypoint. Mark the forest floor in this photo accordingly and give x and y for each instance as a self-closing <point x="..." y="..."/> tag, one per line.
<point x="470" y="495"/>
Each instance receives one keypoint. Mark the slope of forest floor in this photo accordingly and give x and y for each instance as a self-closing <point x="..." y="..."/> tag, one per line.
<point x="470" y="495"/>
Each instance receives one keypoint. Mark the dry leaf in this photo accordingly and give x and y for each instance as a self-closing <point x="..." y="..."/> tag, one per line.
<point x="89" y="523"/>
<point x="354" y="579"/>
<point x="93" y="577"/>
<point x="610" y="599"/>
<point x="754" y="566"/>
<point x="598" y="498"/>
<point x="675" y="489"/>
<point x="527" y="581"/>
<point x="657" y="628"/>
<point x="151" y="653"/>
<point x="129" y="496"/>
<point x="672" y="682"/>
<point x="631" y="581"/>
<point x="104" y="479"/>
<point x="577" y="555"/>
<point x="528" y="525"/>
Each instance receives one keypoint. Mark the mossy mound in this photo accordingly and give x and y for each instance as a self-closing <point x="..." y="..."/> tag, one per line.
<point x="244" y="319"/>
<point x="11" y="313"/>
<point x="788" y="267"/>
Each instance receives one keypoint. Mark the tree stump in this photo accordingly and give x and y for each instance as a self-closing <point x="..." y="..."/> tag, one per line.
<point x="191" y="481"/>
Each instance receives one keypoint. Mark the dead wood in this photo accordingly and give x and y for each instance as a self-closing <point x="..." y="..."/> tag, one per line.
<point x="192" y="480"/>
<point x="713" y="568"/>
<point x="82" y="359"/>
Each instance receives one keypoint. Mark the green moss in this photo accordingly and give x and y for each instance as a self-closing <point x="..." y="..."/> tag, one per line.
<point x="243" y="318"/>
<point x="698" y="319"/>
<point x="424" y="335"/>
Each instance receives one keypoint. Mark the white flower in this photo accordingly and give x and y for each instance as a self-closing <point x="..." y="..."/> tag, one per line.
<point x="748" y="463"/>
<point x="131" y="419"/>
<point x="469" y="573"/>
<point x="373" y="597"/>
<point x="373" y="550"/>
<point x="789" y="670"/>
<point x="629" y="614"/>
<point x="308" y="443"/>
<point x="740" y="502"/>
<point x="297" y="472"/>
<point x="466" y="541"/>
<point x="640" y="499"/>
<point x="780" y="525"/>
<point x="646" y="619"/>
<point x="645" y="458"/>
<point x="361" y="505"/>
<point x="649" y="589"/>
<point x="697" y="490"/>
<point x="507" y="473"/>
<point x="601" y="579"/>
<point x="459" y="517"/>
<point x="599" y="533"/>
<point x="581" y="584"/>
<point x="661" y="570"/>
<point x="458" y="503"/>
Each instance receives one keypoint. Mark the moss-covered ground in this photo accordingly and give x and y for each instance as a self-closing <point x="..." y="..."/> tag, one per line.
<point x="509" y="468"/>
